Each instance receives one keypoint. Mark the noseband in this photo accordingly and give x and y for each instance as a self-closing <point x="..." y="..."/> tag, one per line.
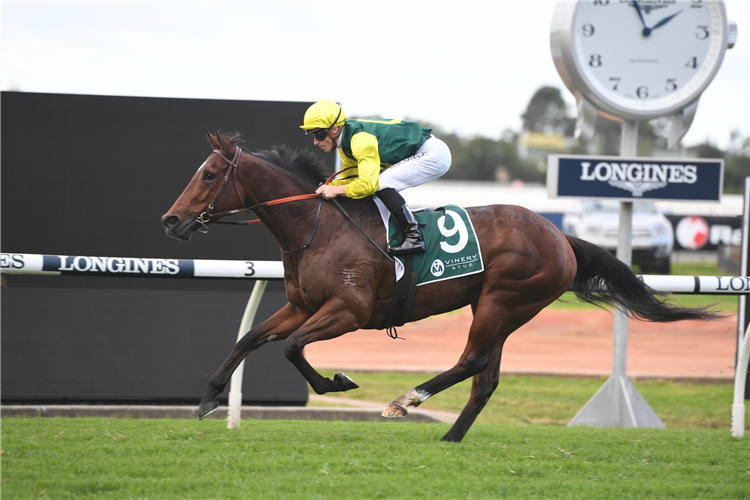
<point x="234" y="164"/>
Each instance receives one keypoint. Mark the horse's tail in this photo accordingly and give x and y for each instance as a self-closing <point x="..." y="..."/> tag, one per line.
<point x="602" y="280"/>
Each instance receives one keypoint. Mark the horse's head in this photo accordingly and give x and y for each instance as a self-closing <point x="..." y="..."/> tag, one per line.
<point x="208" y="192"/>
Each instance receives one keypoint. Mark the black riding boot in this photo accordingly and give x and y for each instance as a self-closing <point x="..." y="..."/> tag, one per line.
<point x="411" y="239"/>
<point x="412" y="236"/>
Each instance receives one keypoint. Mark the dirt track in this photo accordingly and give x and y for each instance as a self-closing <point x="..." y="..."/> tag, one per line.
<point x="555" y="342"/>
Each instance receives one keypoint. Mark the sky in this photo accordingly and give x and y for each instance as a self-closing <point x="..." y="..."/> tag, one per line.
<point x="469" y="67"/>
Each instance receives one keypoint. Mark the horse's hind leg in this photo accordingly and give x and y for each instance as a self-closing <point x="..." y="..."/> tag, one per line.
<point x="482" y="387"/>
<point x="481" y="357"/>
<point x="277" y="327"/>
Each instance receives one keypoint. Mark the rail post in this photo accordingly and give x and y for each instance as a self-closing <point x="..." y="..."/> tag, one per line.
<point x="234" y="415"/>
<point x="740" y="377"/>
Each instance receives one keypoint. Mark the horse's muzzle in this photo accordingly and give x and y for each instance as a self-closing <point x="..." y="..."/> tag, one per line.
<point x="175" y="228"/>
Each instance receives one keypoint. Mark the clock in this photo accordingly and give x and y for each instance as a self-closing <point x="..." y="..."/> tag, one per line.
<point x="638" y="60"/>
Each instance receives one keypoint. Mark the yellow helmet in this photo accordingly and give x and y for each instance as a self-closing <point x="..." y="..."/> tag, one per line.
<point x="323" y="114"/>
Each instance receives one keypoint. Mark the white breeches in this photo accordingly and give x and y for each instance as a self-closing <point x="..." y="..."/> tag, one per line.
<point x="430" y="161"/>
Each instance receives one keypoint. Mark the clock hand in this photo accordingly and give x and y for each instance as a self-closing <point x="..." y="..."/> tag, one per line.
<point x="665" y="20"/>
<point x="646" y="30"/>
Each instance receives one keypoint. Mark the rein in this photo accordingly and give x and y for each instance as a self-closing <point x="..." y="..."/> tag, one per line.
<point x="234" y="164"/>
<point x="264" y="204"/>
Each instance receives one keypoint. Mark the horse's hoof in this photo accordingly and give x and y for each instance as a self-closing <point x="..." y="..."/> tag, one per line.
<point x="394" y="411"/>
<point x="452" y="438"/>
<point x="345" y="382"/>
<point x="207" y="408"/>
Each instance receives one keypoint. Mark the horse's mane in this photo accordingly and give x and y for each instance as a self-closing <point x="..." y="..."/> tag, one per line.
<point x="303" y="164"/>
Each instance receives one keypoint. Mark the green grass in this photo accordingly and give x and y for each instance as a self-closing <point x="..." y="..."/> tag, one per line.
<point x="556" y="400"/>
<point x="518" y="448"/>
<point x="101" y="458"/>
<point x="695" y="269"/>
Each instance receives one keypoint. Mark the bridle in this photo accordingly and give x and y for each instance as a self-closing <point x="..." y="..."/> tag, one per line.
<point x="234" y="164"/>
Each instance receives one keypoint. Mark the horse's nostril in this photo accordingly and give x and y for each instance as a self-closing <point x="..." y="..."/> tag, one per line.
<point x="170" y="220"/>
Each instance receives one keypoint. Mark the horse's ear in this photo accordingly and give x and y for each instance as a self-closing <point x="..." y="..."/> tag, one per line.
<point x="225" y="146"/>
<point x="212" y="140"/>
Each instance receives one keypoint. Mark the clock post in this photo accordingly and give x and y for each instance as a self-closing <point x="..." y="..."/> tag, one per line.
<point x="634" y="61"/>
<point x="618" y="403"/>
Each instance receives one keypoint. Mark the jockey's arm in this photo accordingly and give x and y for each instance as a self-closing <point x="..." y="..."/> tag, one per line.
<point x="365" y="151"/>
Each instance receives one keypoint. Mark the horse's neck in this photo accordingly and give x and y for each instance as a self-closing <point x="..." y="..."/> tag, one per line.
<point x="289" y="222"/>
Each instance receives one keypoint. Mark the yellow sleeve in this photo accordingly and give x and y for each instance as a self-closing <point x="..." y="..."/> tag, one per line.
<point x="349" y="175"/>
<point x="365" y="150"/>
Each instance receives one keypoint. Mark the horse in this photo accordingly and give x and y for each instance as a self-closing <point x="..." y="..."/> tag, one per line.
<point x="337" y="282"/>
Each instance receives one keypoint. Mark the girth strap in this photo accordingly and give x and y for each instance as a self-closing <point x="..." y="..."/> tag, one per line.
<point x="403" y="298"/>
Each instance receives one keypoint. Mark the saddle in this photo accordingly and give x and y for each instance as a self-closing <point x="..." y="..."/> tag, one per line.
<point x="452" y="252"/>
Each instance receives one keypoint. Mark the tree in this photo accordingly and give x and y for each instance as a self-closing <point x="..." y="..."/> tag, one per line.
<point x="479" y="158"/>
<point x="707" y="150"/>
<point x="736" y="166"/>
<point x="736" y="169"/>
<point x="547" y="112"/>
<point x="486" y="159"/>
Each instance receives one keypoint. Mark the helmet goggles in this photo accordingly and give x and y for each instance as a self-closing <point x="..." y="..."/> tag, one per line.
<point x="320" y="134"/>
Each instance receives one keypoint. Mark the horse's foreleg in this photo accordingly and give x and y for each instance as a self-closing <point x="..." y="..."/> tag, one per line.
<point x="332" y="320"/>
<point x="277" y="327"/>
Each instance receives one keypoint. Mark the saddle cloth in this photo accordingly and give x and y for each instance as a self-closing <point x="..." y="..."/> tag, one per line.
<point x="452" y="246"/>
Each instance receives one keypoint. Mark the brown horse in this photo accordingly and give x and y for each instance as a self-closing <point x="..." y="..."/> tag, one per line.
<point x="341" y="283"/>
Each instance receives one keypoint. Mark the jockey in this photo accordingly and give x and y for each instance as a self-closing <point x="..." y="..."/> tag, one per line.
<point x="382" y="157"/>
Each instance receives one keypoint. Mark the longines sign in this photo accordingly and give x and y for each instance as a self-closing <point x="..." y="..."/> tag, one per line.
<point x="634" y="179"/>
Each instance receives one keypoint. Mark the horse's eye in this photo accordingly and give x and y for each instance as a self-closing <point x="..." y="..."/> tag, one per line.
<point x="208" y="176"/>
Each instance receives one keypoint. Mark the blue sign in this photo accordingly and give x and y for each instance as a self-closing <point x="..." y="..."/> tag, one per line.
<point x="634" y="179"/>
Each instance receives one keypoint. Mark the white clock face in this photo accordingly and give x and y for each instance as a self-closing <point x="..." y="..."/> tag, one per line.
<point x="647" y="56"/>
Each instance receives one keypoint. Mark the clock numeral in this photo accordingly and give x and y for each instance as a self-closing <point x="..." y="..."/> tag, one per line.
<point x="588" y="30"/>
<point x="692" y="63"/>
<point x="595" y="60"/>
<point x="616" y="80"/>
<point x="696" y="4"/>
<point x="671" y="85"/>
<point x="601" y="2"/>
<point x="702" y="33"/>
<point x="642" y="92"/>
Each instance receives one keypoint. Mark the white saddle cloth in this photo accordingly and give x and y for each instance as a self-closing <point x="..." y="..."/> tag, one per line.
<point x="385" y="215"/>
